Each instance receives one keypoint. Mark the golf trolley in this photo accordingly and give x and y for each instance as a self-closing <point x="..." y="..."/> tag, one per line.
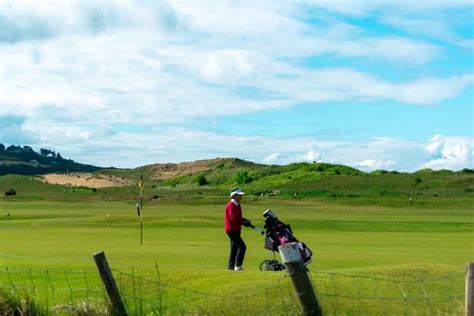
<point x="276" y="234"/>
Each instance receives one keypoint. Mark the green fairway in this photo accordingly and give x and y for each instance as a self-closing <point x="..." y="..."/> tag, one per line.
<point x="187" y="243"/>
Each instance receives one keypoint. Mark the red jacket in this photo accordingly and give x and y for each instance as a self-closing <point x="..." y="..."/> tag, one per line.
<point x="233" y="217"/>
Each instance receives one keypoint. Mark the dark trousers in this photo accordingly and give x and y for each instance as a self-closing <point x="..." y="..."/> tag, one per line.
<point x="237" y="250"/>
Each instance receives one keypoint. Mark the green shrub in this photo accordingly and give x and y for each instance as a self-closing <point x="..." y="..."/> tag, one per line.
<point x="10" y="192"/>
<point x="243" y="176"/>
<point x="201" y="180"/>
<point x="425" y="171"/>
<point x="378" y="172"/>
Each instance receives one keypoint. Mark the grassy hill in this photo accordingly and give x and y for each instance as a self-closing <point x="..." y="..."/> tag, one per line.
<point x="227" y="172"/>
<point x="278" y="182"/>
<point x="304" y="179"/>
<point x="191" y="180"/>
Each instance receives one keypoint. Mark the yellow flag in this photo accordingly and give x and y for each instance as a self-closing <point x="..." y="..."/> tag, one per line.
<point x="141" y="184"/>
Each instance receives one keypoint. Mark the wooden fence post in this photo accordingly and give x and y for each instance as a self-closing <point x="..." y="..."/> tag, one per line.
<point x="470" y="289"/>
<point x="296" y="269"/>
<point x="118" y="308"/>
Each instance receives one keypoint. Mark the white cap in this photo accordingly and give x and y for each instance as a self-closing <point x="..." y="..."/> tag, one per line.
<point x="236" y="191"/>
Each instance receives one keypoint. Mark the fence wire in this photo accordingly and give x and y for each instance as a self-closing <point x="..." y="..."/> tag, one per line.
<point x="77" y="291"/>
<point x="150" y="294"/>
<point x="347" y="294"/>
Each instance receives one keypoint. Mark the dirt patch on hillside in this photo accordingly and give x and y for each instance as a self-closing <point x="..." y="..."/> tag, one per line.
<point x="170" y="170"/>
<point x="89" y="180"/>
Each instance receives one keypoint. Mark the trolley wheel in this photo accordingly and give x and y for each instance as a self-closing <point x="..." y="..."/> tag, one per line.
<point x="265" y="265"/>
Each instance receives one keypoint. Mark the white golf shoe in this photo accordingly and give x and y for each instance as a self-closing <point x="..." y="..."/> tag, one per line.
<point x="238" y="268"/>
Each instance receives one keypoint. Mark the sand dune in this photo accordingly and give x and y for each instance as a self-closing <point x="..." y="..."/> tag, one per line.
<point x="85" y="179"/>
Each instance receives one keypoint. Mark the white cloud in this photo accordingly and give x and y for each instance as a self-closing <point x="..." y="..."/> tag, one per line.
<point x="132" y="149"/>
<point x="101" y="78"/>
<point x="76" y="69"/>
<point x="155" y="62"/>
<point x="270" y="159"/>
<point x="310" y="156"/>
<point x="227" y="65"/>
<point x="450" y="153"/>
<point x="107" y="146"/>
<point x="431" y="90"/>
<point x="372" y="164"/>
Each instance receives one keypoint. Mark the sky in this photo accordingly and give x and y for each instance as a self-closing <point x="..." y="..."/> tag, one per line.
<point x="369" y="84"/>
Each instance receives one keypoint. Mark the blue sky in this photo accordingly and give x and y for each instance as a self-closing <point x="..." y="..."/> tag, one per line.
<point x="370" y="84"/>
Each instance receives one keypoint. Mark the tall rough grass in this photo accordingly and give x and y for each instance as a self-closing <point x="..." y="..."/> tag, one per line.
<point x="22" y="303"/>
<point x="12" y="303"/>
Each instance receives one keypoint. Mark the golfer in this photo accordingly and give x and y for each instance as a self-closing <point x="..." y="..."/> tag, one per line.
<point x="233" y="225"/>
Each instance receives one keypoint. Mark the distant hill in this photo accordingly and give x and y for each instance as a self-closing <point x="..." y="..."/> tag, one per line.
<point x="228" y="172"/>
<point x="232" y="171"/>
<point x="314" y="179"/>
<point x="214" y="177"/>
<point x="167" y="171"/>
<point x="24" y="160"/>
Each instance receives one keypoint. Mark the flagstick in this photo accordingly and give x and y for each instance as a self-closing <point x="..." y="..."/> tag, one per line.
<point x="141" y="217"/>
<point x="140" y="208"/>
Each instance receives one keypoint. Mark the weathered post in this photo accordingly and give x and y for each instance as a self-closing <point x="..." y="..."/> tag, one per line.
<point x="296" y="269"/>
<point x="470" y="289"/>
<point x="118" y="308"/>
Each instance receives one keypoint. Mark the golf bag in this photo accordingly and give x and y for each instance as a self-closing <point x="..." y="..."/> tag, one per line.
<point x="278" y="233"/>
